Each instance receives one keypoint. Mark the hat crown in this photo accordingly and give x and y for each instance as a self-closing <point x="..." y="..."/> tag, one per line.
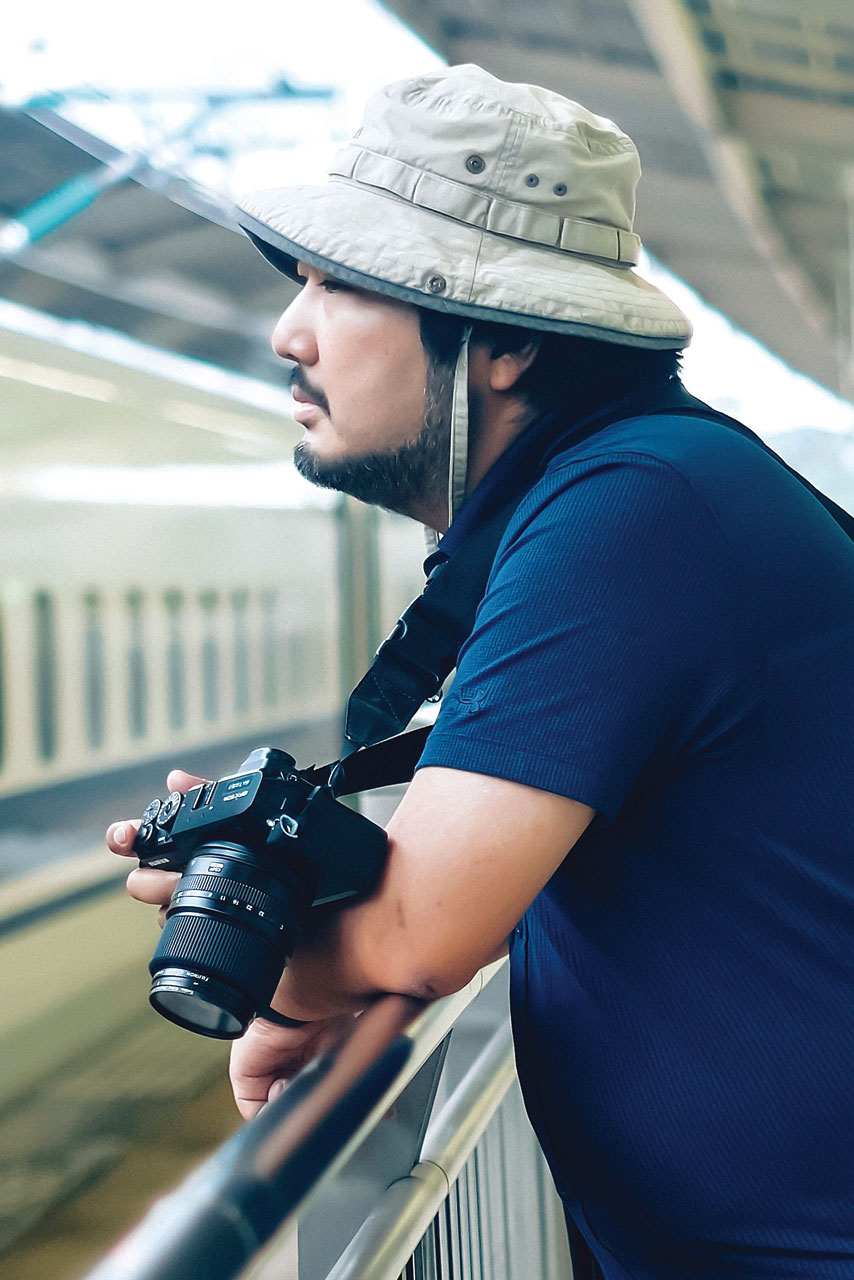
<point x="487" y="200"/>
<point x="521" y="143"/>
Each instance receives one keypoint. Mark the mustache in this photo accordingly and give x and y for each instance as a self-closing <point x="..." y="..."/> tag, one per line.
<point x="299" y="380"/>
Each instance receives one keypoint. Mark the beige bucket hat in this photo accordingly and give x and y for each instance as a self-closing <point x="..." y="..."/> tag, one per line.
<point x="489" y="200"/>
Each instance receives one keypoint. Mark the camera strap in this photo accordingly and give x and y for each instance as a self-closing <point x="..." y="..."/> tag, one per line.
<point x="412" y="665"/>
<point x="382" y="765"/>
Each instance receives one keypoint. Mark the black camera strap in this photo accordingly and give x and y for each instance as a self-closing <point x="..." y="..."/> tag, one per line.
<point x="382" y="765"/>
<point x="413" y="663"/>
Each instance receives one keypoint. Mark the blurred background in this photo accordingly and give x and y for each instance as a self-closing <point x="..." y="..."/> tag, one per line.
<point x="171" y="592"/>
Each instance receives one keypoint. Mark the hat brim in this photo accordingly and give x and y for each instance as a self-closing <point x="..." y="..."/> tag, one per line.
<point x="379" y="242"/>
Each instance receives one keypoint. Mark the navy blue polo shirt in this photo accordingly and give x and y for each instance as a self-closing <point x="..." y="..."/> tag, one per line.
<point x="668" y="636"/>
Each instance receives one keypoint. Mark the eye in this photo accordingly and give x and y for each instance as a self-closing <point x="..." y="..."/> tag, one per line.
<point x="333" y="286"/>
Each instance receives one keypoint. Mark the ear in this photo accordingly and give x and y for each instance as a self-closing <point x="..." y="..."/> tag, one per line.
<point x="506" y="369"/>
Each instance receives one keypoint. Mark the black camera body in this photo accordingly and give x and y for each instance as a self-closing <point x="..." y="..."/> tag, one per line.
<point x="260" y="851"/>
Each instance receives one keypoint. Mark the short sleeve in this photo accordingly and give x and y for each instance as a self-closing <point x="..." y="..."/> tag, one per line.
<point x="614" y="638"/>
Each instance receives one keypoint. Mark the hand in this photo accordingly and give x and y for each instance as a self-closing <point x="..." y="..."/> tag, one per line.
<point x="267" y="1056"/>
<point x="147" y="884"/>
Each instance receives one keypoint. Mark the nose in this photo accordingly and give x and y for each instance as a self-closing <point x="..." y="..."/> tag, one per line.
<point x="293" y="337"/>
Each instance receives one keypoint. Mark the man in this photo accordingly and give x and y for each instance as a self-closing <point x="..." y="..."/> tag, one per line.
<point x="642" y="774"/>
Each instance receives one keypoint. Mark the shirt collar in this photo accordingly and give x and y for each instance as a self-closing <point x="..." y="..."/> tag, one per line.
<point x="523" y="460"/>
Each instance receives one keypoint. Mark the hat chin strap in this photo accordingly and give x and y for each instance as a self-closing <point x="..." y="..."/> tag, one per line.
<point x="459" y="460"/>
<point x="459" y="444"/>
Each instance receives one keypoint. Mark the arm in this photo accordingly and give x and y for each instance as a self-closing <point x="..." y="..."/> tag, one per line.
<point x="467" y="855"/>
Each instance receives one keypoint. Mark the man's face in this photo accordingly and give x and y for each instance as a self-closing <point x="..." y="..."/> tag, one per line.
<point x="375" y="411"/>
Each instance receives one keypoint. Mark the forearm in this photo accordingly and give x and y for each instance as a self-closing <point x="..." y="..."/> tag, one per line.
<point x="455" y="884"/>
<point x="324" y="977"/>
<point x="362" y="952"/>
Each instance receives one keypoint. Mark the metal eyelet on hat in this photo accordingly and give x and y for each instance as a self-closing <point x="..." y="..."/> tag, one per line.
<point x="559" y="188"/>
<point x="532" y="180"/>
<point x="437" y="284"/>
<point x="475" y="164"/>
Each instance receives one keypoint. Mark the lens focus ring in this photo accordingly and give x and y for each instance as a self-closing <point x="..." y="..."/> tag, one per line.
<point x="216" y="891"/>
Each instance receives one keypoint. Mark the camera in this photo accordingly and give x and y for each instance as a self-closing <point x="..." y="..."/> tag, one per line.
<point x="261" y="850"/>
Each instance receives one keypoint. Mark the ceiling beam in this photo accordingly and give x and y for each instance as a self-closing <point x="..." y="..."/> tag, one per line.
<point x="670" y="34"/>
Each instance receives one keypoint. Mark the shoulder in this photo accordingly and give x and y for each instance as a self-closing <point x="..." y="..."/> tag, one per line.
<point x="689" y="445"/>
<point x="653" y="470"/>
<point x="619" y="487"/>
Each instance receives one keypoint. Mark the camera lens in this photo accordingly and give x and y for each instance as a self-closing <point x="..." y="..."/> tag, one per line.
<point x="230" y="927"/>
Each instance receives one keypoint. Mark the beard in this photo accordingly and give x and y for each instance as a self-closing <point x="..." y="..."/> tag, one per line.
<point x="399" y="479"/>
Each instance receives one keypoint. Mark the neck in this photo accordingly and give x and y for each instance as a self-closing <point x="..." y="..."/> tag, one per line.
<point x="556" y="423"/>
<point x="493" y="426"/>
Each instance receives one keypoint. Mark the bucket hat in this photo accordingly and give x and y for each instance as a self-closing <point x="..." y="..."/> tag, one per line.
<point x="495" y="201"/>
<point x="486" y="200"/>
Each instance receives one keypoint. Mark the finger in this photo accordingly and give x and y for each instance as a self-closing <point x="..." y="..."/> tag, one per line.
<point x="148" y="885"/>
<point x="161" y="917"/>
<point x="121" y="835"/>
<point x="250" y="1096"/>
<point x="265" y="1054"/>
<point x="179" y="780"/>
<point x="276" y="1088"/>
<point x="250" y="1090"/>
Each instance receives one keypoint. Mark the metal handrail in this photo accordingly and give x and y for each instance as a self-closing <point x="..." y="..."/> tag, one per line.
<point x="388" y="1237"/>
<point x="254" y="1186"/>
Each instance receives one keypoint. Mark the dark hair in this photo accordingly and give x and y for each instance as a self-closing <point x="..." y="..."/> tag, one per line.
<point x="567" y="372"/>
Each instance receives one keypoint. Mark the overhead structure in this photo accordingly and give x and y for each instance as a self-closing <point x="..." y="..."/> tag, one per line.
<point x="152" y="256"/>
<point x="743" y="112"/>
